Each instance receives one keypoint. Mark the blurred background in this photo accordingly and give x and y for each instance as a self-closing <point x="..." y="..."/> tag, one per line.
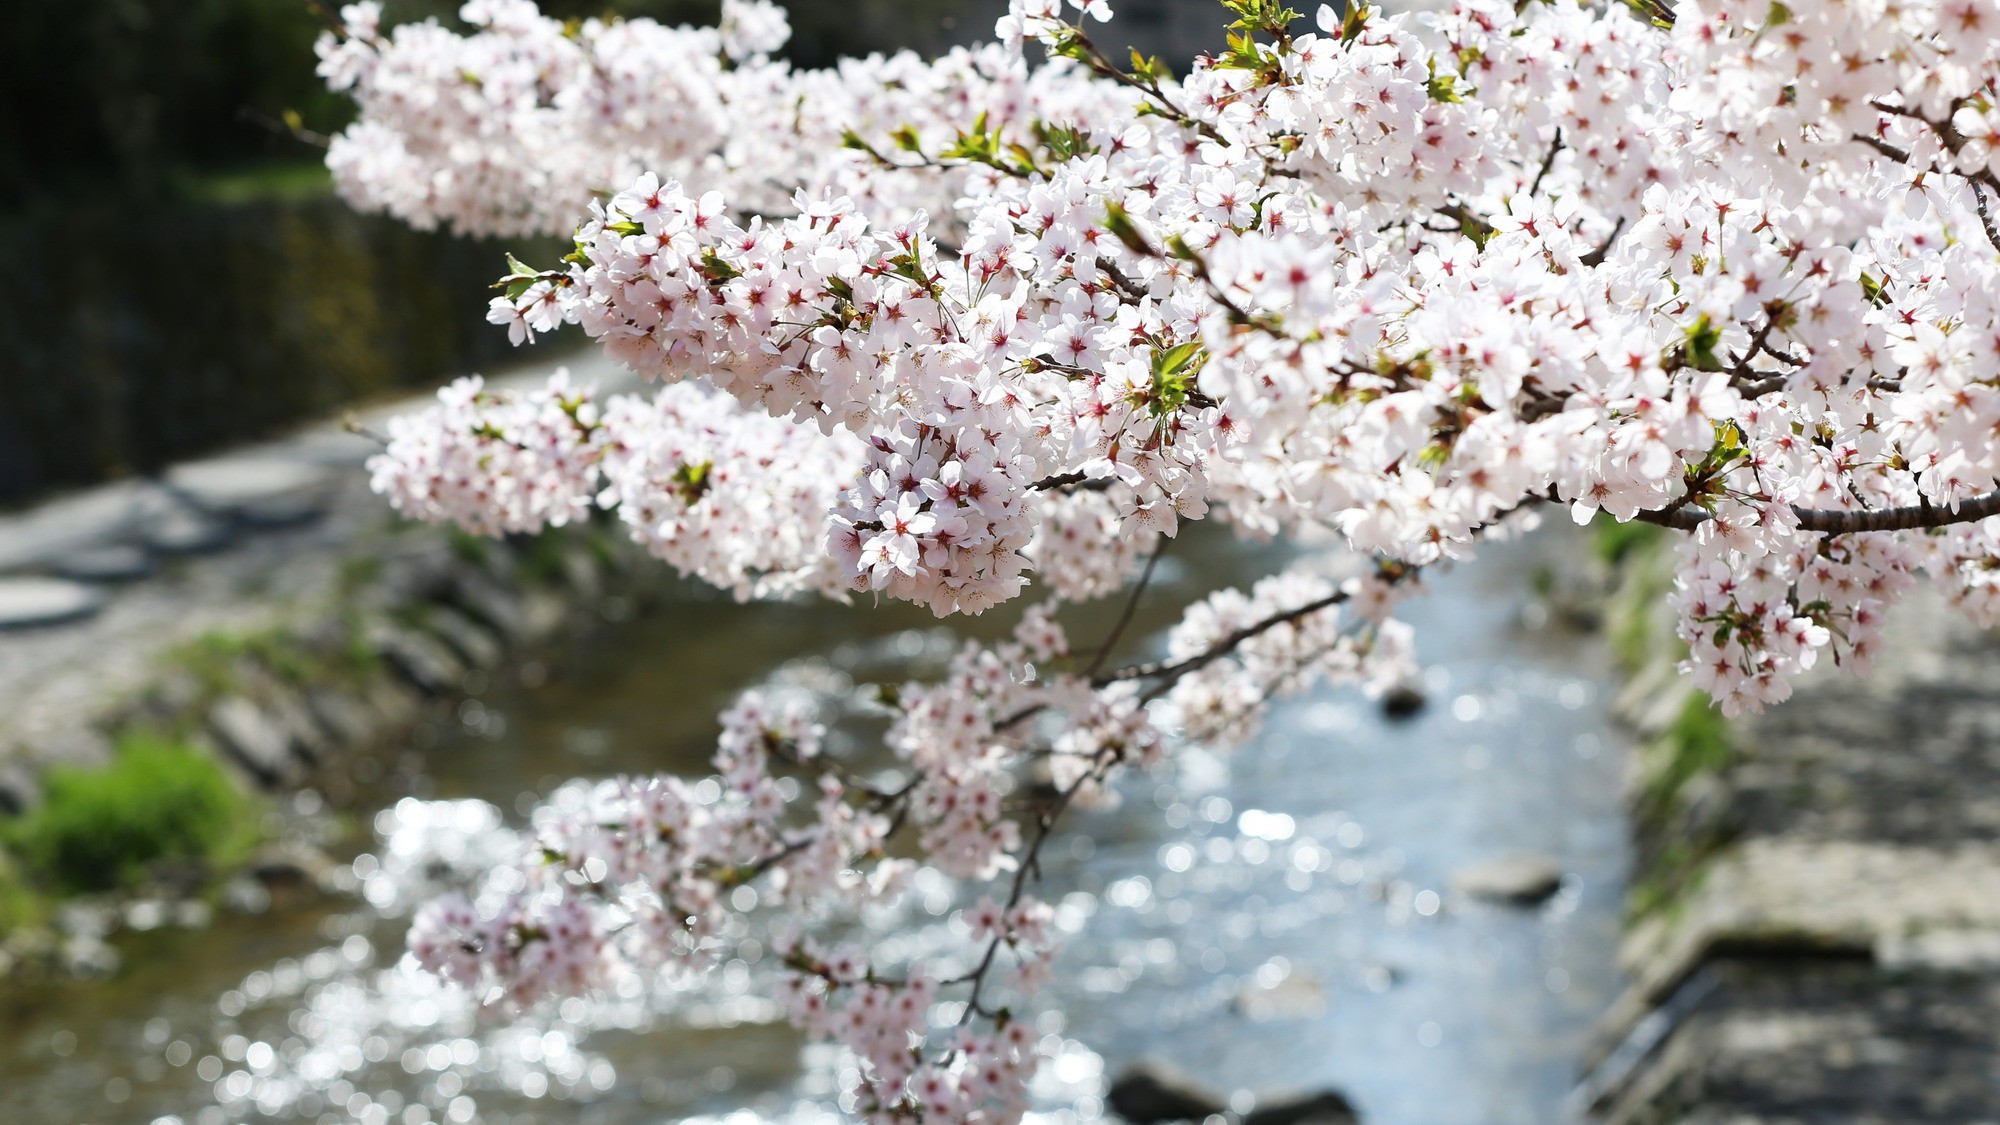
<point x="154" y="131"/>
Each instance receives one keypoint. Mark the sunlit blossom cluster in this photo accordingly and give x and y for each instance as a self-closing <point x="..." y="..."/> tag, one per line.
<point x="996" y="326"/>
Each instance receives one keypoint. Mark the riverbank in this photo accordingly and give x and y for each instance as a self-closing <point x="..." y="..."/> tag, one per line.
<point x="187" y="653"/>
<point x="1814" y="925"/>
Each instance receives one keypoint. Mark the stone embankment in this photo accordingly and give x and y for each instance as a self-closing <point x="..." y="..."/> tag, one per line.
<point x="268" y="608"/>
<point x="1815" y="930"/>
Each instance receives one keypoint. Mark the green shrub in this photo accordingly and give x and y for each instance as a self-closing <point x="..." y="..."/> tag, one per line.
<point x="98" y="829"/>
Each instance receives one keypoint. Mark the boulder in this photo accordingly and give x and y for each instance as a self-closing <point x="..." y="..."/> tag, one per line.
<point x="1150" y="1090"/>
<point x="1520" y="880"/>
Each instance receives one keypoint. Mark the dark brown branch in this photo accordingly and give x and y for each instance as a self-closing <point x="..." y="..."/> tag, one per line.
<point x="1596" y="257"/>
<point x="1076" y="481"/>
<point x="1830" y="521"/>
<point x="1548" y="162"/>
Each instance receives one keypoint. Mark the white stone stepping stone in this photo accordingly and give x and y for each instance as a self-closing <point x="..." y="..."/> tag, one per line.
<point x="263" y="491"/>
<point x="120" y="562"/>
<point x="184" y="532"/>
<point x="29" y="602"/>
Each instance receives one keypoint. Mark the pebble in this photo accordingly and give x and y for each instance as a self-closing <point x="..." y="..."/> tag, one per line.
<point x="29" y="602"/>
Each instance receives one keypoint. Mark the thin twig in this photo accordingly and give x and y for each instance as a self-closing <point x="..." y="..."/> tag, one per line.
<point x="1131" y="606"/>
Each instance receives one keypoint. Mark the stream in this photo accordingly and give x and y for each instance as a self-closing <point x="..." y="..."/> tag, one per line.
<point x="1277" y="918"/>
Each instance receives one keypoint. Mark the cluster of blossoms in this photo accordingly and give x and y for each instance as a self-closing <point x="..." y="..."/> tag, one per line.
<point x="980" y="326"/>
<point x="739" y="500"/>
<point x="495" y="462"/>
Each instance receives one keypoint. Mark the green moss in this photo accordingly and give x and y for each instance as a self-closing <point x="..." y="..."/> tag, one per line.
<point x="217" y="659"/>
<point x="359" y="573"/>
<point x="158" y="801"/>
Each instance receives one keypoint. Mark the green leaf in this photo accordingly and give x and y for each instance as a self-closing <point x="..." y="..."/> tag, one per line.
<point x="1442" y="87"/>
<point x="1174" y="370"/>
<point x="1703" y="337"/>
<point x="691" y="481"/>
<point x="1150" y="68"/>
<point x="715" y="269"/>
<point x="1355" y="21"/>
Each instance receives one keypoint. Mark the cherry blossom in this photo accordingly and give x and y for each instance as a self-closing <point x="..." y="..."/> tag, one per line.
<point x="992" y="328"/>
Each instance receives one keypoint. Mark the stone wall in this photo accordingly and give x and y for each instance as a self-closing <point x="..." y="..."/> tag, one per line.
<point x="268" y="605"/>
<point x="158" y="333"/>
<point x="1816" y="913"/>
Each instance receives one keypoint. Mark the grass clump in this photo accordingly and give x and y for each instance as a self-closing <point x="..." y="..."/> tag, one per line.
<point x="157" y="802"/>
<point x="1697" y="742"/>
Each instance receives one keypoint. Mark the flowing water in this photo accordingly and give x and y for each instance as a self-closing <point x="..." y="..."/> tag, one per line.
<point x="1277" y="918"/>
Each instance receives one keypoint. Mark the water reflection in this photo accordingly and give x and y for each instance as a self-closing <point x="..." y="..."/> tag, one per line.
<point x="1278" y="918"/>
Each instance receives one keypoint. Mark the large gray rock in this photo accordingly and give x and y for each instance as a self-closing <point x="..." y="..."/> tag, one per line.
<point x="479" y="648"/>
<point x="1151" y="1090"/>
<point x="1520" y="880"/>
<point x="350" y="721"/>
<point x="496" y="605"/>
<point x="27" y="603"/>
<point x="422" y="660"/>
<point x="256" y="740"/>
